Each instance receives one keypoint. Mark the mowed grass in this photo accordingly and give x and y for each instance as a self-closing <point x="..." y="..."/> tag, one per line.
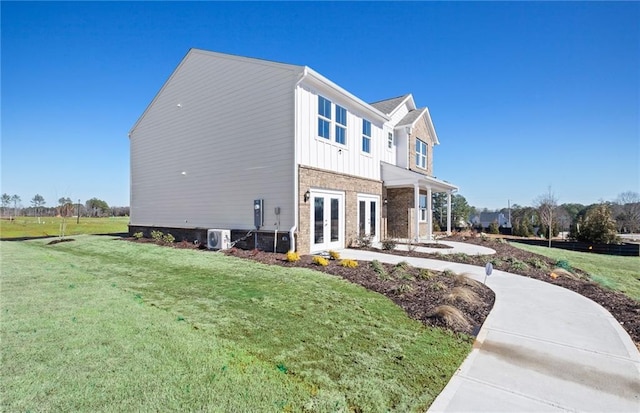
<point x="612" y="271"/>
<point x="101" y="324"/>
<point x="27" y="227"/>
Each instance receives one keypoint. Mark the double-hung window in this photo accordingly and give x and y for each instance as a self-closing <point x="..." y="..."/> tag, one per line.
<point x="341" y="125"/>
<point x="390" y="140"/>
<point x="421" y="154"/>
<point x="324" y="117"/>
<point x="366" y="136"/>
<point x="423" y="208"/>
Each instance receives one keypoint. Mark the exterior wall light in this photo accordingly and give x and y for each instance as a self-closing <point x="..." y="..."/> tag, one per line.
<point x="307" y="195"/>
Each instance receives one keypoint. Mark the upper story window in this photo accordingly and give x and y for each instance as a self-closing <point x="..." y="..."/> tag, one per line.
<point x="421" y="154"/>
<point x="341" y="125"/>
<point x="366" y="136"/>
<point x="390" y="140"/>
<point x="324" y="117"/>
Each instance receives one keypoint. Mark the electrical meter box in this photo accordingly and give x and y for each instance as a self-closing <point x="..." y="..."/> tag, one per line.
<point x="258" y="213"/>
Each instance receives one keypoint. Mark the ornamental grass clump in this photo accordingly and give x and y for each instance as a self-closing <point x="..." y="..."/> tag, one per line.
<point x="292" y="256"/>
<point x="321" y="261"/>
<point x="335" y="255"/>
<point x="349" y="263"/>
<point x="451" y="317"/>
<point x="464" y="295"/>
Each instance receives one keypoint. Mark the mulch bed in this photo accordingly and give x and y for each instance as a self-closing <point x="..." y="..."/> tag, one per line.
<point x="418" y="292"/>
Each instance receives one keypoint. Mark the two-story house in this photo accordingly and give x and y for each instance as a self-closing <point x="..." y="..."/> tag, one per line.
<point x="327" y="167"/>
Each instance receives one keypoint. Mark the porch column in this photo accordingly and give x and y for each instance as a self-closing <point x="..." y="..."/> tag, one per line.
<point x="416" y="214"/>
<point x="448" y="212"/>
<point x="429" y="214"/>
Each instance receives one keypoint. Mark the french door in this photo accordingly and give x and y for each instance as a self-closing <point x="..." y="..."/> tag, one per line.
<point x="327" y="220"/>
<point x="369" y="216"/>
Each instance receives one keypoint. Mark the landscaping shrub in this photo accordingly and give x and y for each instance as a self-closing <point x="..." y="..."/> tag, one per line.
<point x="349" y="263"/>
<point x="168" y="239"/>
<point x="364" y="241"/>
<point x="402" y="265"/>
<point x="564" y="264"/>
<point x="335" y="255"/>
<point x="464" y="295"/>
<point x="292" y="256"/>
<point x="323" y="262"/>
<point x="157" y="236"/>
<point x="138" y="235"/>
<point x="389" y="244"/>
<point x="378" y="268"/>
<point x="404" y="288"/>
<point x="425" y="274"/>
<point x="451" y="317"/>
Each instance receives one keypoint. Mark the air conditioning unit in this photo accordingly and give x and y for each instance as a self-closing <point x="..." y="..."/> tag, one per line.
<point x="218" y="239"/>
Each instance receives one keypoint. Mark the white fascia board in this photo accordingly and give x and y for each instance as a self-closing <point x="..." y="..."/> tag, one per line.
<point x="409" y="100"/>
<point x="316" y="79"/>
<point x="432" y="129"/>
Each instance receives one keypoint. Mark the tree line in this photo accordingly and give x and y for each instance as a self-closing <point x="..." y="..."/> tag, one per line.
<point x="65" y="207"/>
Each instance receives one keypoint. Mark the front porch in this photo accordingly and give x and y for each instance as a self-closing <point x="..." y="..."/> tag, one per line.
<point x="408" y="202"/>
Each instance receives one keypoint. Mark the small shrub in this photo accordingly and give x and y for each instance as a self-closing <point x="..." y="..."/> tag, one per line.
<point x="389" y="244"/>
<point x="564" y="264"/>
<point x="321" y="261"/>
<point x="464" y="295"/>
<point x="438" y="286"/>
<point x="496" y="262"/>
<point x="425" y="274"/>
<point x="402" y="265"/>
<point x="464" y="280"/>
<point x="292" y="256"/>
<point x="538" y="263"/>
<point x="168" y="239"/>
<point x="448" y="273"/>
<point x="494" y="228"/>
<point x="483" y="237"/>
<point x="378" y="268"/>
<point x="461" y="257"/>
<point x="364" y="241"/>
<point x="403" y="275"/>
<point x="518" y="265"/>
<point x="451" y="317"/>
<point x="335" y="255"/>
<point x="156" y="236"/>
<point x="138" y="235"/>
<point x="349" y="263"/>
<point x="404" y="288"/>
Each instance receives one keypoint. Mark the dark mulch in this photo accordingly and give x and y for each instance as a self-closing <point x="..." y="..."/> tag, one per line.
<point x="417" y="292"/>
<point x="511" y="259"/>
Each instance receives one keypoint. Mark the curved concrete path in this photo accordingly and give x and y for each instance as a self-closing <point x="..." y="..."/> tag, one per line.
<point x="542" y="348"/>
<point x="456" y="247"/>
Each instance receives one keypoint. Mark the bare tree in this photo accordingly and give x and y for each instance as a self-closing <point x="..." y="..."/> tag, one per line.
<point x="628" y="211"/>
<point x="16" y="200"/>
<point x="6" y="200"/>
<point x="546" y="205"/>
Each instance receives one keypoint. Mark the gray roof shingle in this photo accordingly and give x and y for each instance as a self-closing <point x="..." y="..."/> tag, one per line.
<point x="411" y="117"/>
<point x="388" y="105"/>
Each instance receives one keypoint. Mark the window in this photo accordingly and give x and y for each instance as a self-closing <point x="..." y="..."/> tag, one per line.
<point x="390" y="140"/>
<point x="324" y="117"/>
<point x="423" y="208"/>
<point x="421" y="154"/>
<point x="341" y="123"/>
<point x="366" y="136"/>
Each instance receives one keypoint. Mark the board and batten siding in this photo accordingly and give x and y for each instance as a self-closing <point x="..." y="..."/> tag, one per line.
<point x="218" y="135"/>
<point x="318" y="152"/>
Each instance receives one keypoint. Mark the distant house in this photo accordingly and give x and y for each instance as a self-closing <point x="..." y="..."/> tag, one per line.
<point x="326" y="167"/>
<point x="484" y="219"/>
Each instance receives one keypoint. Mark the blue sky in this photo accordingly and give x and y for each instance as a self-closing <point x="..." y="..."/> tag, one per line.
<point x="524" y="96"/>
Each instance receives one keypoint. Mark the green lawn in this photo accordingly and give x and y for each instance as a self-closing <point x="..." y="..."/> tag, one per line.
<point x="614" y="272"/>
<point x="23" y="227"/>
<point x="99" y="324"/>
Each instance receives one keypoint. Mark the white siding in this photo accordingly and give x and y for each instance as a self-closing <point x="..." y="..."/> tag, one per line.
<point x="326" y="154"/>
<point x="218" y="135"/>
<point x="399" y="114"/>
<point x="389" y="154"/>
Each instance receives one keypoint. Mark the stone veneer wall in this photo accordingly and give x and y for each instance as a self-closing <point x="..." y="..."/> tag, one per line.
<point x="313" y="178"/>
<point x="421" y="132"/>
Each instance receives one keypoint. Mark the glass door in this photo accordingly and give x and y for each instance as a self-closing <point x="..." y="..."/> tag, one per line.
<point x="327" y="220"/>
<point x="368" y="216"/>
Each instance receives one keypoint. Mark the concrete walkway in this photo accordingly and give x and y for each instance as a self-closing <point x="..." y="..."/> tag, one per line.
<point x="456" y="247"/>
<point x="542" y="348"/>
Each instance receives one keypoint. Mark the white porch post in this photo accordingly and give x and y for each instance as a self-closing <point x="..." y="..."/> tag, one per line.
<point x="448" y="212"/>
<point x="429" y="215"/>
<point x="416" y="215"/>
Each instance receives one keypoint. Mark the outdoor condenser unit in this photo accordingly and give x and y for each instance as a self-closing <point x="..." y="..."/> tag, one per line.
<point x="218" y="239"/>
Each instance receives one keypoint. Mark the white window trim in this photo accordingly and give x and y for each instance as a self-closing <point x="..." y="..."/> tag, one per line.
<point x="330" y="121"/>
<point x="421" y="155"/>
<point x="337" y="124"/>
<point x="391" y="141"/>
<point x="422" y="211"/>
<point x="363" y="136"/>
